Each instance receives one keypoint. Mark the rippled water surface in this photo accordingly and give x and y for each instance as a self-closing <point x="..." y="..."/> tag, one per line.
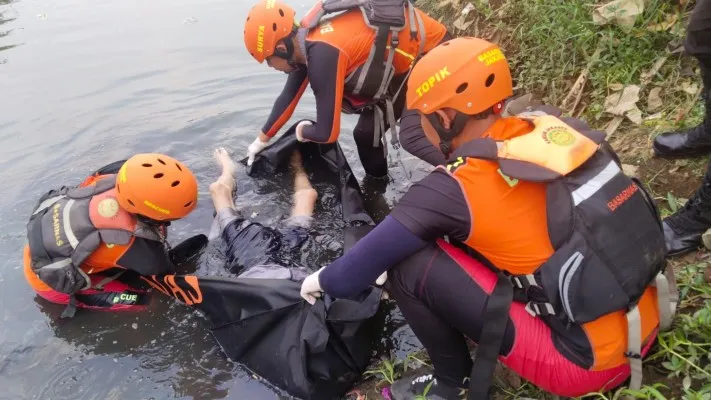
<point x="84" y="83"/>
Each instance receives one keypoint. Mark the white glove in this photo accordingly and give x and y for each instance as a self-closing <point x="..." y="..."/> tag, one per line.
<point x="254" y="149"/>
<point x="311" y="288"/>
<point x="300" y="130"/>
<point x="382" y="278"/>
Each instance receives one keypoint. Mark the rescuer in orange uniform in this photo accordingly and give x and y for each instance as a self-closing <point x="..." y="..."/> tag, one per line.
<point x="531" y="241"/>
<point x="338" y="57"/>
<point x="82" y="238"/>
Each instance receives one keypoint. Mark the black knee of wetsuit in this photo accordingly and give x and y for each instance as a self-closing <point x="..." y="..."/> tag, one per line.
<point x="372" y="157"/>
<point x="442" y="304"/>
<point x="414" y="141"/>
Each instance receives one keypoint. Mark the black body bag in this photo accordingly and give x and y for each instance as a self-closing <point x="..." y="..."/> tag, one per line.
<point x="311" y="352"/>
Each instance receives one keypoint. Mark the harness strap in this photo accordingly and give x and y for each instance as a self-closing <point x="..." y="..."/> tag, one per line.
<point x="634" y="347"/>
<point x="301" y="39"/>
<point x="381" y="38"/>
<point x="411" y="10"/>
<point x="421" y="28"/>
<point x="379" y="129"/>
<point x="492" y="336"/>
<point x="389" y="70"/>
<point x="667" y="299"/>
<point x="539" y="309"/>
<point x="390" y="110"/>
<point x="48" y="203"/>
<point x="71" y="308"/>
<point x="523" y="281"/>
<point x="66" y="221"/>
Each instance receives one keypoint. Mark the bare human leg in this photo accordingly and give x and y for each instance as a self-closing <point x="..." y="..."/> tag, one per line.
<point x="221" y="190"/>
<point x="304" y="194"/>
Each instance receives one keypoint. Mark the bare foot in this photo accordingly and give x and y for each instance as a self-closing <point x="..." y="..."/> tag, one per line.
<point x="229" y="169"/>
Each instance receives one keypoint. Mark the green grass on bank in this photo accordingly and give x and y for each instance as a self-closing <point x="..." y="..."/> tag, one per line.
<point x="549" y="44"/>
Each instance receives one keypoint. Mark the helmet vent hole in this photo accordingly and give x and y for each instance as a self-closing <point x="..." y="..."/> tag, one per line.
<point x="445" y="44"/>
<point x="281" y="12"/>
<point x="188" y="204"/>
<point x="131" y="203"/>
<point x="118" y="188"/>
<point x="462" y="87"/>
<point x="274" y="27"/>
<point x="174" y="184"/>
<point x="490" y="80"/>
<point x="158" y="175"/>
<point x="248" y="19"/>
<point x="147" y="165"/>
<point x="179" y="168"/>
<point x="161" y="161"/>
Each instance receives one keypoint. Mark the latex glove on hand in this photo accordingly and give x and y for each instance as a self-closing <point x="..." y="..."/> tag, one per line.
<point x="300" y="130"/>
<point x="254" y="148"/>
<point x="382" y="278"/>
<point x="311" y="288"/>
<point x="380" y="282"/>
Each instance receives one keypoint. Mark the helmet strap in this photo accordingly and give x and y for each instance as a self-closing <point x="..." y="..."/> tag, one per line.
<point x="288" y="55"/>
<point x="446" y="135"/>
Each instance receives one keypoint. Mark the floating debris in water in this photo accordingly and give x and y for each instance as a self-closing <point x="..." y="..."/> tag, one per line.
<point x="115" y="341"/>
<point x="116" y="360"/>
<point x="254" y="214"/>
<point x="134" y="325"/>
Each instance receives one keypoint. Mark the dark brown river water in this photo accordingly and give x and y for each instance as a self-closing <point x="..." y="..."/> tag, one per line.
<point x="84" y="83"/>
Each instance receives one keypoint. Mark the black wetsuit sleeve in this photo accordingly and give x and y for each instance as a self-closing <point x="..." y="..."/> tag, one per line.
<point x="327" y="73"/>
<point x="435" y="207"/>
<point x="385" y="246"/>
<point x="287" y="101"/>
<point x="147" y="257"/>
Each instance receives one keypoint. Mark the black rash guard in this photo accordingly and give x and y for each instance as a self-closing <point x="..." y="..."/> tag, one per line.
<point x="326" y="71"/>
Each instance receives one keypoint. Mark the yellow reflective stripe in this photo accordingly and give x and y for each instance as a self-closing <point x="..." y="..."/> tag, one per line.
<point x="402" y="53"/>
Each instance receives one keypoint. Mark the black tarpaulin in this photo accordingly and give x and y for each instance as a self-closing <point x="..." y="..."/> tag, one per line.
<point x="311" y="352"/>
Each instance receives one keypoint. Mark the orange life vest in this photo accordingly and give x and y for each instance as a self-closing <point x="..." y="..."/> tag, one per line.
<point x="510" y="229"/>
<point x="93" y="212"/>
<point x="350" y="34"/>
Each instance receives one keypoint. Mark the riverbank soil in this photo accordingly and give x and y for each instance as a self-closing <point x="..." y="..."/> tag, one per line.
<point x="620" y="66"/>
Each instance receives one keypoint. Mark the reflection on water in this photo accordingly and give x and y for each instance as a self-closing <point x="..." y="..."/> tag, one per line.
<point x="88" y="83"/>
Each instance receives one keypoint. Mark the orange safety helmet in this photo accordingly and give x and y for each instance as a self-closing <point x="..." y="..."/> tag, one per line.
<point x="467" y="74"/>
<point x="268" y="22"/>
<point x="157" y="187"/>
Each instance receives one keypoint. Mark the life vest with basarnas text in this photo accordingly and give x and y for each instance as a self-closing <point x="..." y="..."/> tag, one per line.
<point x="85" y="226"/>
<point x="580" y="242"/>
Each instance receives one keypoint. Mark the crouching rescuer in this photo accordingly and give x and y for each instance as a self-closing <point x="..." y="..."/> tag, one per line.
<point x="356" y="55"/>
<point x="82" y="239"/>
<point x="531" y="242"/>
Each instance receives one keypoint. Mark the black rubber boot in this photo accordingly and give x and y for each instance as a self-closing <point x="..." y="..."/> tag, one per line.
<point x="683" y="230"/>
<point x="425" y="386"/>
<point x="688" y="143"/>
